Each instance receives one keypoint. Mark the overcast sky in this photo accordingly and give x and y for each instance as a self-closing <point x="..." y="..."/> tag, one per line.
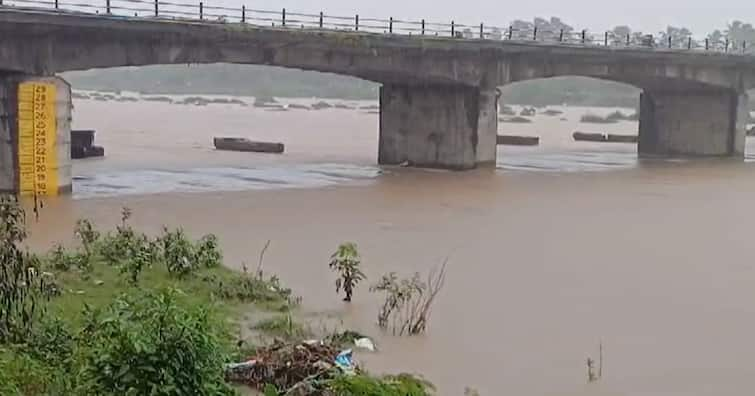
<point x="701" y="16"/>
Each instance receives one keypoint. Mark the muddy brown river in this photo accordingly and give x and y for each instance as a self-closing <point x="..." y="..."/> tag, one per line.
<point x="562" y="247"/>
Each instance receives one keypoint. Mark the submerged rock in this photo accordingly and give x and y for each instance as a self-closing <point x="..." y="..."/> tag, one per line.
<point x="528" y="112"/>
<point x="79" y="95"/>
<point x="295" y="106"/>
<point x="195" y="100"/>
<point x="164" y="99"/>
<point x="265" y="101"/>
<point x="321" y="105"/>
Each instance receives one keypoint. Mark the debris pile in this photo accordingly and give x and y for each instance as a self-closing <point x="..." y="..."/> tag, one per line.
<point x="290" y="366"/>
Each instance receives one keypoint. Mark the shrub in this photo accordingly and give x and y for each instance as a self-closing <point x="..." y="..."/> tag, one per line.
<point x="150" y="345"/>
<point x="178" y="252"/>
<point x="208" y="253"/>
<point x="143" y="255"/>
<point x="245" y="288"/>
<point x="23" y="289"/>
<point x="124" y="244"/>
<point x="61" y="260"/>
<point x="87" y="235"/>
<point x="51" y="342"/>
<point x="345" y="262"/>
<point x="22" y="375"/>
<point x="407" y="302"/>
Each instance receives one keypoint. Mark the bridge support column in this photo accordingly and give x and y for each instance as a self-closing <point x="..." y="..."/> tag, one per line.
<point x="450" y="127"/>
<point x="8" y="133"/>
<point x="35" y="135"/>
<point x="692" y="123"/>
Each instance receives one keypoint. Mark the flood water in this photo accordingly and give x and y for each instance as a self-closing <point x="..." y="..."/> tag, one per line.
<point x="562" y="247"/>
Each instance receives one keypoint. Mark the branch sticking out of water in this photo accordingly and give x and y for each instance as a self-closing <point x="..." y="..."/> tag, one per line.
<point x="260" y="273"/>
<point x="408" y="302"/>
<point x="594" y="375"/>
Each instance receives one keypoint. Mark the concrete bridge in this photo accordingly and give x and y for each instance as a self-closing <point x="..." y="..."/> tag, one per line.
<point x="438" y="96"/>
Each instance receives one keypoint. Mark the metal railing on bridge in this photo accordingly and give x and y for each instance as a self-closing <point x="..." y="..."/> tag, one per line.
<point x="206" y="13"/>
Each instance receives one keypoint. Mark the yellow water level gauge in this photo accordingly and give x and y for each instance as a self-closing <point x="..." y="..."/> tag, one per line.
<point x="37" y="133"/>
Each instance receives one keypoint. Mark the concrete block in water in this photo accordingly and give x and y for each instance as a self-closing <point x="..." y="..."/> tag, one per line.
<point x="242" y="144"/>
<point x="513" y="140"/>
<point x="589" y="137"/>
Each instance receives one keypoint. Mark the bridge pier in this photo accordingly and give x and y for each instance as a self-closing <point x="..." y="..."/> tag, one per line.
<point x="450" y="127"/>
<point x="35" y="135"/>
<point x="694" y="123"/>
<point x="8" y="128"/>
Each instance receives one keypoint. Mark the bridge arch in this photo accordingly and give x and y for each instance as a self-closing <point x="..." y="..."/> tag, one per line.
<point x="678" y="117"/>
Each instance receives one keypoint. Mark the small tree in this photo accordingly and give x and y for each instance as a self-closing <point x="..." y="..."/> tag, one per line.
<point x="345" y="261"/>
<point x="87" y="234"/>
<point x="23" y="290"/>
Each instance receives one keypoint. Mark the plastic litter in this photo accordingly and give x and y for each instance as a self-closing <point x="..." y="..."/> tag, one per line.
<point x="365" y="343"/>
<point x="345" y="362"/>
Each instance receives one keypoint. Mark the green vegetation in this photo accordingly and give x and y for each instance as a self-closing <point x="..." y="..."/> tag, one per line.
<point x="345" y="262"/>
<point x="401" y="385"/>
<point x="148" y="343"/>
<point x="283" y="326"/>
<point x="408" y="301"/>
<point x="126" y="314"/>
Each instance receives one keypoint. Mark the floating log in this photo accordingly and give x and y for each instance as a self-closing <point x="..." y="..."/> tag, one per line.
<point x="513" y="140"/>
<point x="242" y="144"/>
<point x="621" y="138"/>
<point x="589" y="137"/>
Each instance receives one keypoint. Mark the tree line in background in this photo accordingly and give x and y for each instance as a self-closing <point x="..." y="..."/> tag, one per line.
<point x="265" y="81"/>
<point x="734" y="32"/>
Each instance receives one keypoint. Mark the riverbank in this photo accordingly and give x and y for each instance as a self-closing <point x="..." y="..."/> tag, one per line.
<point x="122" y="312"/>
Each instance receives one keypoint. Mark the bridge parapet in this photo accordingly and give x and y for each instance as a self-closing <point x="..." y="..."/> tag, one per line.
<point x="199" y="12"/>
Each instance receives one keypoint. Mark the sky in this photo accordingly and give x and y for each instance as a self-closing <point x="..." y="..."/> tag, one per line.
<point x="700" y="16"/>
<point x="647" y="16"/>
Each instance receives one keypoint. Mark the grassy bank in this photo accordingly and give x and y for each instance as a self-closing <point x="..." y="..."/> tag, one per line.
<point x="122" y="313"/>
